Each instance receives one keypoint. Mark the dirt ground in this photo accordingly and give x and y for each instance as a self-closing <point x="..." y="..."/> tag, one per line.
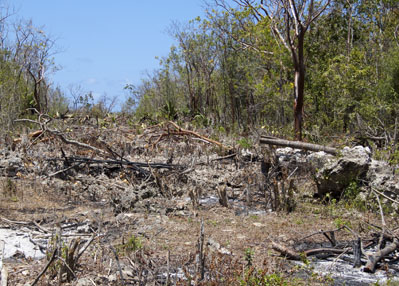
<point x="144" y="221"/>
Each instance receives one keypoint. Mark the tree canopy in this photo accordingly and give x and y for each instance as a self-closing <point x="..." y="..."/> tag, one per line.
<point x="247" y="64"/>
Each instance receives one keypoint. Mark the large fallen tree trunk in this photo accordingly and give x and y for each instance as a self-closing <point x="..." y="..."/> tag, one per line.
<point x="297" y="145"/>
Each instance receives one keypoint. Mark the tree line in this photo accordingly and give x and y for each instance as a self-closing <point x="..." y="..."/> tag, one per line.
<point x="26" y="61"/>
<point x="305" y="69"/>
<point x="309" y="68"/>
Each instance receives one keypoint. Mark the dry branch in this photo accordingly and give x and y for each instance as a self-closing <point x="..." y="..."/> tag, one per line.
<point x="4" y="276"/>
<point x="357" y="248"/>
<point x="357" y="253"/>
<point x="53" y="255"/>
<point x="231" y="156"/>
<point x="59" y="134"/>
<point x="118" y="162"/>
<point x="375" y="258"/>
<point x="201" y="256"/>
<point x="31" y="135"/>
<point x="83" y="249"/>
<point x="184" y="132"/>
<point x="118" y="264"/>
<point x="137" y="166"/>
<point x="284" y="251"/>
<point x="223" y="198"/>
<point x="317" y="251"/>
<point x="294" y="255"/>
<point x="297" y="145"/>
<point x="198" y="135"/>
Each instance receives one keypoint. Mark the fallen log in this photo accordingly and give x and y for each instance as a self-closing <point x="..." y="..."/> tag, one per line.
<point x="295" y="255"/>
<point x="297" y="145"/>
<point x="286" y="252"/>
<point x="372" y="260"/>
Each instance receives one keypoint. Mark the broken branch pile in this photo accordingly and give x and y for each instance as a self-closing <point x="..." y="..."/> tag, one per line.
<point x="371" y="252"/>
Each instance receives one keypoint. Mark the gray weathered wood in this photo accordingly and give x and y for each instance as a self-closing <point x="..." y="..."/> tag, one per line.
<point x="357" y="253"/>
<point x="372" y="260"/>
<point x="297" y="145"/>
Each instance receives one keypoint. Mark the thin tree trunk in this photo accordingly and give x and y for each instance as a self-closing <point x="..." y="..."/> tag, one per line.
<point x="190" y="88"/>
<point x="349" y="36"/>
<point x="233" y="102"/>
<point x="36" y="95"/>
<point x="299" y="87"/>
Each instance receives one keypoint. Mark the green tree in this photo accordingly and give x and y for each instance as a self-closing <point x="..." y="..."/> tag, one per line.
<point x="289" y="20"/>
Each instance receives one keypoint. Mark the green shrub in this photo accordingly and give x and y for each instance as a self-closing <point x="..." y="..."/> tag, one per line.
<point x="134" y="243"/>
<point x="253" y="277"/>
<point x="245" y="143"/>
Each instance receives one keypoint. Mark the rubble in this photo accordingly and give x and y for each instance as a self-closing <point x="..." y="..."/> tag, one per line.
<point x="143" y="194"/>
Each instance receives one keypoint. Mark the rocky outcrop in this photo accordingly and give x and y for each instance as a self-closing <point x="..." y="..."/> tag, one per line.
<point x="352" y="165"/>
<point x="383" y="178"/>
<point x="333" y="174"/>
<point x="302" y="162"/>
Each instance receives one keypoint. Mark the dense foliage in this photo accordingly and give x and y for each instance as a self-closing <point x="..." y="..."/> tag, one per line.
<point x="231" y="70"/>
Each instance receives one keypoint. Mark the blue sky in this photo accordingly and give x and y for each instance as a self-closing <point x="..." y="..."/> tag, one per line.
<point x="105" y="46"/>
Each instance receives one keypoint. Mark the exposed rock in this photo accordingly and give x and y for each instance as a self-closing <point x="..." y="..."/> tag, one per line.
<point x="381" y="177"/>
<point x="18" y="244"/>
<point x="335" y="176"/>
<point x="10" y="166"/>
<point x="290" y="155"/>
<point x="378" y="173"/>
<point x="84" y="282"/>
<point x="335" y="173"/>
<point x="292" y="160"/>
<point x="304" y="162"/>
<point x="112" y="278"/>
<point x="215" y="246"/>
<point x="319" y="159"/>
<point x="124" y="200"/>
<point x="247" y="155"/>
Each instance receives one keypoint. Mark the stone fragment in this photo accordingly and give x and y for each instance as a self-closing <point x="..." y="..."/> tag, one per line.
<point x="84" y="282"/>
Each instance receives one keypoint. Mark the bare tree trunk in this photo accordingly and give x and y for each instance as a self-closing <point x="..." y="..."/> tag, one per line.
<point x="36" y="95"/>
<point x="299" y="86"/>
<point x="233" y="102"/>
<point x="190" y="88"/>
<point x="349" y="35"/>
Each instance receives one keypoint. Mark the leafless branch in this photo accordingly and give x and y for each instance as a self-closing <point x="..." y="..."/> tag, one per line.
<point x="52" y="258"/>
